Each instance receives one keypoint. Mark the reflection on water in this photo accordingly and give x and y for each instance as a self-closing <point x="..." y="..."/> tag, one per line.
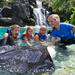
<point x="64" y="62"/>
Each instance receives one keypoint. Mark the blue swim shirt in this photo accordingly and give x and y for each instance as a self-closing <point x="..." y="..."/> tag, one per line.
<point x="41" y="37"/>
<point x="65" y="31"/>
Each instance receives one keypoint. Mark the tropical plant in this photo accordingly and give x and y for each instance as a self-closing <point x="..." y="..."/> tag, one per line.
<point x="63" y="8"/>
<point x="3" y="3"/>
<point x="72" y="18"/>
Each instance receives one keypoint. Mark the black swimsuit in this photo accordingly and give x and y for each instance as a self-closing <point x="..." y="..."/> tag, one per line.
<point x="7" y="41"/>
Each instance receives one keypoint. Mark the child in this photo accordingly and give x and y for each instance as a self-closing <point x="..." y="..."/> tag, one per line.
<point x="41" y="36"/>
<point x="13" y="35"/>
<point x="28" y="36"/>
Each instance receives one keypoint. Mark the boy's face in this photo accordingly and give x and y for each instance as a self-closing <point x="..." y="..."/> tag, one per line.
<point x="43" y="31"/>
<point x="15" y="32"/>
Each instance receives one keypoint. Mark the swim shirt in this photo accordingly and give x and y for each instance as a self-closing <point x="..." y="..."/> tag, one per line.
<point x="26" y="34"/>
<point x="65" y="31"/>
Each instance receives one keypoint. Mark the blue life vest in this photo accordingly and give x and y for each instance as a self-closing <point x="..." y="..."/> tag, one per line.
<point x="65" y="32"/>
<point x="10" y="33"/>
<point x="41" y="37"/>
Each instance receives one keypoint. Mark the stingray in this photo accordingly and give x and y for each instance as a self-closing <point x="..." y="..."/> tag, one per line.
<point x="26" y="59"/>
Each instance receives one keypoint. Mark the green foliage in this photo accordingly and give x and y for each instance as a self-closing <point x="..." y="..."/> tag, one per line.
<point x="3" y="3"/>
<point x="72" y="18"/>
<point x="11" y="1"/>
<point x="63" y="4"/>
<point x="63" y="8"/>
<point x="66" y="21"/>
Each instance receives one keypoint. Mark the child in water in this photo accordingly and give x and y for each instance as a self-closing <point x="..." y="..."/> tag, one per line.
<point x="12" y="36"/>
<point x="41" y="36"/>
<point x="28" y="36"/>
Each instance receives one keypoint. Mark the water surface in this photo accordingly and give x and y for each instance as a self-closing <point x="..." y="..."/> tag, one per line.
<point x="64" y="60"/>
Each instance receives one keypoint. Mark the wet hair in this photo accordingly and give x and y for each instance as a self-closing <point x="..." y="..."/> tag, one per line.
<point x="43" y="27"/>
<point x="14" y="26"/>
<point x="55" y="17"/>
<point x="28" y="29"/>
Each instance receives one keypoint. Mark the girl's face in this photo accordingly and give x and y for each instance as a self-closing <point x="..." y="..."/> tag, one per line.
<point x="30" y="31"/>
<point x="15" y="32"/>
<point x="43" y="31"/>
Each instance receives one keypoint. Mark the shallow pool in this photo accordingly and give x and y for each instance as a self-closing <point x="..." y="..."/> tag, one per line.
<point x="64" y="60"/>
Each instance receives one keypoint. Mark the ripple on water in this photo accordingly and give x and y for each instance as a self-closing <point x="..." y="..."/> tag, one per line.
<point x="65" y="61"/>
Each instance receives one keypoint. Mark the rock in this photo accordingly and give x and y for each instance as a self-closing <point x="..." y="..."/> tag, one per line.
<point x="20" y="11"/>
<point x="7" y="12"/>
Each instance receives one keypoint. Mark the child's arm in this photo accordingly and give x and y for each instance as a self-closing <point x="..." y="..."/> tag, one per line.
<point x="28" y="43"/>
<point x="26" y="39"/>
<point x="5" y="35"/>
<point x="36" y="37"/>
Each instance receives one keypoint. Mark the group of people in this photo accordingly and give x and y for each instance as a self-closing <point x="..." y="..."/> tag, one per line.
<point x="13" y="35"/>
<point x="64" y="31"/>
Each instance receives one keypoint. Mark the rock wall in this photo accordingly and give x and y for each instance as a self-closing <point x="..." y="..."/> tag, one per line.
<point x="19" y="11"/>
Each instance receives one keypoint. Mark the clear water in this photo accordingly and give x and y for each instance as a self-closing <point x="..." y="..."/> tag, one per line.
<point x="64" y="60"/>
